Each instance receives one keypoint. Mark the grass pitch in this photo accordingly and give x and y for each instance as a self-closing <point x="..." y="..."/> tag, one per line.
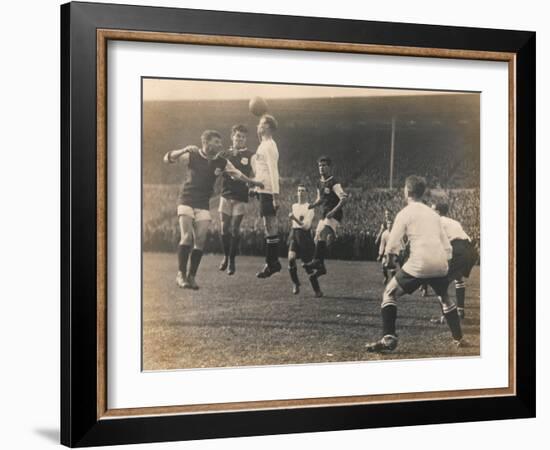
<point x="240" y="320"/>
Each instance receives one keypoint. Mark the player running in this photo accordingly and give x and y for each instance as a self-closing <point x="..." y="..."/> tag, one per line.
<point x="430" y="251"/>
<point x="234" y="197"/>
<point x="331" y="197"/>
<point x="300" y="242"/>
<point x="266" y="167"/>
<point x="464" y="256"/>
<point x="203" y="166"/>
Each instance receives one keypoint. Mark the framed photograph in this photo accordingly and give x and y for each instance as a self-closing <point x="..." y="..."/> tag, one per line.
<point x="278" y="224"/>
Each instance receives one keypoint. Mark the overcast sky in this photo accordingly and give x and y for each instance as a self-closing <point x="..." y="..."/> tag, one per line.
<point x="168" y="89"/>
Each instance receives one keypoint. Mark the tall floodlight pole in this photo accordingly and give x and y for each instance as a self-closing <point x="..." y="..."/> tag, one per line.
<point x="392" y="150"/>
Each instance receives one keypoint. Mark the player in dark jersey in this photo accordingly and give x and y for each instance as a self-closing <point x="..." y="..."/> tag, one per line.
<point x="331" y="198"/>
<point x="234" y="197"/>
<point x="203" y="167"/>
<point x="300" y="242"/>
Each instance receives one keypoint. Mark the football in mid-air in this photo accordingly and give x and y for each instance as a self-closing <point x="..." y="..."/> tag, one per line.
<point x="257" y="106"/>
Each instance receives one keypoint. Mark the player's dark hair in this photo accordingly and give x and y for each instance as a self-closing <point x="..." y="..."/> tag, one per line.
<point x="442" y="208"/>
<point x="208" y="135"/>
<point x="416" y="186"/>
<point x="325" y="159"/>
<point x="239" y="128"/>
<point x="271" y="121"/>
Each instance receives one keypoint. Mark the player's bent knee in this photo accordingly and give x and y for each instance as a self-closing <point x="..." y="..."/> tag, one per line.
<point x="391" y="293"/>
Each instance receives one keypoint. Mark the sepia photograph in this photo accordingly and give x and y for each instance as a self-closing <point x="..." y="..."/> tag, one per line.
<point x="289" y="224"/>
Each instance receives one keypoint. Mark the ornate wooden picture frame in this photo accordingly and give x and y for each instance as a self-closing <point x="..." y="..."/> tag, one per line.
<point x="86" y="418"/>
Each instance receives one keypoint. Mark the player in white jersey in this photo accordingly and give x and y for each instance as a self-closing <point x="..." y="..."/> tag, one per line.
<point x="265" y="164"/>
<point x="382" y="256"/>
<point x="464" y="256"/>
<point x="300" y="241"/>
<point x="430" y="251"/>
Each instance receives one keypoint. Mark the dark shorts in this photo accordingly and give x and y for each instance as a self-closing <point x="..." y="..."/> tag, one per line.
<point x="266" y="205"/>
<point x="301" y="243"/>
<point x="464" y="258"/>
<point x="410" y="284"/>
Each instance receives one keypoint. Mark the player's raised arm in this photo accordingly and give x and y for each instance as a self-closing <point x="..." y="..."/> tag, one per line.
<point x="337" y="188"/>
<point x="174" y="156"/>
<point x="231" y="170"/>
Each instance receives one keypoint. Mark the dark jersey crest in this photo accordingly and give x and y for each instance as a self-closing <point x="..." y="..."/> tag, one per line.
<point x="328" y="197"/>
<point x="199" y="183"/>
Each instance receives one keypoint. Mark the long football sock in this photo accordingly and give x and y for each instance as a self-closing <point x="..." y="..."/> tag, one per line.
<point x="183" y="256"/>
<point x="314" y="281"/>
<point x="454" y="324"/>
<point x="320" y="251"/>
<point x="460" y="288"/>
<point x="293" y="272"/>
<point x="195" y="260"/>
<point x="272" y="249"/>
<point x="226" y="243"/>
<point x="234" y="247"/>
<point x="389" y="316"/>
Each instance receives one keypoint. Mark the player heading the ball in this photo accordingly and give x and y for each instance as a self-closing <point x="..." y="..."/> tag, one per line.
<point x="203" y="166"/>
<point x="266" y="167"/>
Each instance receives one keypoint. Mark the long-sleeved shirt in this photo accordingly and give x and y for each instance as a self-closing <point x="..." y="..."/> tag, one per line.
<point x="302" y="213"/>
<point x="453" y="229"/>
<point x="430" y="248"/>
<point x="266" y="166"/>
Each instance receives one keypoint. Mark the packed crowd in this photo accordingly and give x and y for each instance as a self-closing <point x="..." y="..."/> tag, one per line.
<point x="363" y="216"/>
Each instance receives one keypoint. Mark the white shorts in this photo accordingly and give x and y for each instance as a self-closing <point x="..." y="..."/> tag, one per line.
<point x="195" y="213"/>
<point x="332" y="223"/>
<point x="232" y="207"/>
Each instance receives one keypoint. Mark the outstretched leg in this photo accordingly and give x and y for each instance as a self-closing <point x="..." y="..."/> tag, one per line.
<point x="388" y="311"/>
<point x="324" y="235"/>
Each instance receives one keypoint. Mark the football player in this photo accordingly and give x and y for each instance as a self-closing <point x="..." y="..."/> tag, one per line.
<point x="300" y="242"/>
<point x="331" y="198"/>
<point x="430" y="251"/>
<point x="234" y="197"/>
<point x="382" y="256"/>
<point x="464" y="255"/>
<point x="265" y="163"/>
<point x="203" y="166"/>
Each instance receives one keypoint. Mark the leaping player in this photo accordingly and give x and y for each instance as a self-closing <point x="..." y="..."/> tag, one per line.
<point x="266" y="167"/>
<point x="300" y="242"/>
<point x="203" y="166"/>
<point x="331" y="197"/>
<point x="234" y="197"/>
